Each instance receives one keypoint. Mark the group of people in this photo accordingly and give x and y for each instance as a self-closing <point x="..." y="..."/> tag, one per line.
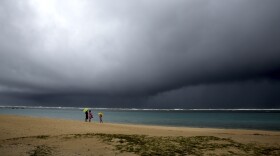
<point x="89" y="116"/>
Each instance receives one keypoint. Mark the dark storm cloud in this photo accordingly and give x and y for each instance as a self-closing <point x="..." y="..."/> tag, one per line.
<point x="245" y="94"/>
<point x="134" y="48"/>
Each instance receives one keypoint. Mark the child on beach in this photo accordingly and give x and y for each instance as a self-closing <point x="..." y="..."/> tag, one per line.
<point x="100" y="117"/>
<point x="90" y="116"/>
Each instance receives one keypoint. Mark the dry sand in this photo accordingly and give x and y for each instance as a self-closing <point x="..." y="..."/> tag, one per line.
<point x="21" y="135"/>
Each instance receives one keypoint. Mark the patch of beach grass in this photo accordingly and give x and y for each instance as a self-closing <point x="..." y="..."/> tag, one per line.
<point x="30" y="137"/>
<point x="42" y="136"/>
<point x="167" y="146"/>
<point x="197" y="145"/>
<point x="41" y="150"/>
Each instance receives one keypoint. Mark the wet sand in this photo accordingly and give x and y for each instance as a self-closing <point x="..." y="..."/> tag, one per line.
<point x="21" y="135"/>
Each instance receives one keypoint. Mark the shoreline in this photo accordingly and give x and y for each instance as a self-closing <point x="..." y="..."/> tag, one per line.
<point x="17" y="132"/>
<point x="156" y="127"/>
<point x="140" y="124"/>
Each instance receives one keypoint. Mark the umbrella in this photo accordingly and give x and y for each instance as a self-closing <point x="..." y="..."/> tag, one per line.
<point x="100" y="113"/>
<point x="85" y="109"/>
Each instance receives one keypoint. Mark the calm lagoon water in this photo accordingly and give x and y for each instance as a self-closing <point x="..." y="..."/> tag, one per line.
<point x="249" y="119"/>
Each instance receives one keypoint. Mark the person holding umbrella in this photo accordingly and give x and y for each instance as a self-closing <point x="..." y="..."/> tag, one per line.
<point x="86" y="113"/>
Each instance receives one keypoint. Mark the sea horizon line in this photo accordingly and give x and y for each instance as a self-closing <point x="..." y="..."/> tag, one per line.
<point x="143" y="109"/>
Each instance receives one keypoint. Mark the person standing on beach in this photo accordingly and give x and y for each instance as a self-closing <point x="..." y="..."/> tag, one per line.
<point x="90" y="115"/>
<point x="86" y="113"/>
<point x="100" y="117"/>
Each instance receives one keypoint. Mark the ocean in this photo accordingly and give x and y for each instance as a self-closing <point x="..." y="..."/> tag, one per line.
<point x="265" y="119"/>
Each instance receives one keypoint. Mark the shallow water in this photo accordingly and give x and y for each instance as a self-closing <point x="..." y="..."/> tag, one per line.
<point x="245" y="119"/>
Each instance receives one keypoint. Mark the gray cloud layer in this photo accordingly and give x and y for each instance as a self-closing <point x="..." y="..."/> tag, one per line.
<point x="139" y="48"/>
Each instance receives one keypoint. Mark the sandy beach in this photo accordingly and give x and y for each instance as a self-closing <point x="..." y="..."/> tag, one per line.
<point x="21" y="135"/>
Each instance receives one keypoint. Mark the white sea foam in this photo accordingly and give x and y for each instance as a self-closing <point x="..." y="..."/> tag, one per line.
<point x="136" y="109"/>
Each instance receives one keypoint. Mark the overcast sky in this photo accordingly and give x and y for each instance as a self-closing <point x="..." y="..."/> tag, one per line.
<point x="145" y="53"/>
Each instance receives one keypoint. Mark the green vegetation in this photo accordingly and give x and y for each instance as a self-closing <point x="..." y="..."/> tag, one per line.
<point x="42" y="136"/>
<point x="167" y="146"/>
<point x="41" y="150"/>
<point x="37" y="137"/>
<point x="197" y="145"/>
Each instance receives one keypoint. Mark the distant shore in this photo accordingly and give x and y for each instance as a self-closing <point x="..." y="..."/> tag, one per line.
<point x="26" y="135"/>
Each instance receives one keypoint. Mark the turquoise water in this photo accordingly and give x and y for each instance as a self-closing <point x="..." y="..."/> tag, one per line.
<point x="262" y="120"/>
